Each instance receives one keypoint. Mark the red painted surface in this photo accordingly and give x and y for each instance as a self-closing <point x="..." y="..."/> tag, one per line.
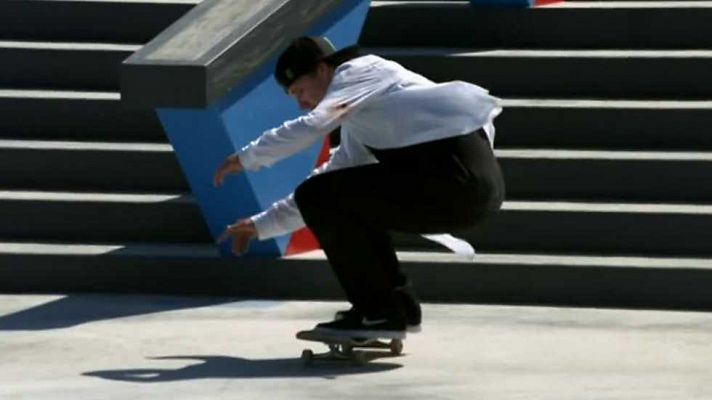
<point x="304" y="240"/>
<point x="545" y="2"/>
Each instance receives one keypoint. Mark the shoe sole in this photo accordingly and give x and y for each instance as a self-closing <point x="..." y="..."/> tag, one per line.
<point x="409" y="328"/>
<point x="362" y="333"/>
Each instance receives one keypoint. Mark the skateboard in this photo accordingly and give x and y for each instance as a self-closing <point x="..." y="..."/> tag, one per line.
<point x="345" y="348"/>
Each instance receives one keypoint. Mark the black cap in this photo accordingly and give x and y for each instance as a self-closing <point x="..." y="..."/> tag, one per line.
<point x="301" y="57"/>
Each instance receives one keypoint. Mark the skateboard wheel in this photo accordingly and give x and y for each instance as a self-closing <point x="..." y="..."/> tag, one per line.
<point x="396" y="347"/>
<point x="307" y="357"/>
<point x="359" y="358"/>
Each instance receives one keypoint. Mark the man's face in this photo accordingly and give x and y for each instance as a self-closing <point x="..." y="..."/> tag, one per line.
<point x="309" y="89"/>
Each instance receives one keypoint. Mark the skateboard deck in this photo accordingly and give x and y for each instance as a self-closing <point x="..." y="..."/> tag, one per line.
<point x="348" y="349"/>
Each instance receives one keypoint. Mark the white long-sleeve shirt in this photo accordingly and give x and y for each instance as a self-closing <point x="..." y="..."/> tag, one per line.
<point x="379" y="104"/>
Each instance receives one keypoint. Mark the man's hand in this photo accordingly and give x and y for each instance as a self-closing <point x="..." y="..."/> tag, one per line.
<point x="243" y="232"/>
<point x="231" y="165"/>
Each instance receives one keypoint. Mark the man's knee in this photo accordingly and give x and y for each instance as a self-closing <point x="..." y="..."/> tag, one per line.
<point x="309" y="194"/>
<point x="313" y="200"/>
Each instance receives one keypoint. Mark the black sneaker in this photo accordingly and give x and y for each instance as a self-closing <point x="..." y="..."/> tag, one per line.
<point x="364" y="328"/>
<point x="413" y="316"/>
<point x="351" y="313"/>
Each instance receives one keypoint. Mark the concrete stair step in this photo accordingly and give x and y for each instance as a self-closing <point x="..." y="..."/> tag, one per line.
<point x="624" y="25"/>
<point x="529" y="173"/>
<point x="541" y="279"/>
<point x="512" y="73"/>
<point x="522" y="226"/>
<point x="79" y="216"/>
<point x="526" y="122"/>
<point x="588" y="228"/>
<point x="63" y="165"/>
<point x="567" y="73"/>
<point x="70" y="115"/>
<point x="396" y="23"/>
<point x="604" y="124"/>
<point x="89" y="20"/>
<point x="607" y="175"/>
<point x="62" y="66"/>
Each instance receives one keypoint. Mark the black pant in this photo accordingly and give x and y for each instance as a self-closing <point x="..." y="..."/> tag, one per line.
<point x="432" y="187"/>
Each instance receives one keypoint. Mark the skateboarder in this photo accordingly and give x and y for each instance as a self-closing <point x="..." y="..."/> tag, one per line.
<point x="415" y="156"/>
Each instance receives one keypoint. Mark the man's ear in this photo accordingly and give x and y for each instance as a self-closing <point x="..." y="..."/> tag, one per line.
<point x="325" y="69"/>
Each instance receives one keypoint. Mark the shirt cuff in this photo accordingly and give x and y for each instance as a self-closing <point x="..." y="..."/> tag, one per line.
<point x="263" y="225"/>
<point x="247" y="160"/>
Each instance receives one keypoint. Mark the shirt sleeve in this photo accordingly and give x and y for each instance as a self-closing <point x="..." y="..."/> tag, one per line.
<point x="351" y="88"/>
<point x="284" y="216"/>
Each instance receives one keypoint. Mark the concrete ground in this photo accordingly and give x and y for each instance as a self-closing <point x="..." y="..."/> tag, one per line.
<point x="155" y="347"/>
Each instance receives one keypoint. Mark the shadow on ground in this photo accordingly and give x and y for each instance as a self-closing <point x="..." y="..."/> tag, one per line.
<point x="240" y="368"/>
<point x="75" y="310"/>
